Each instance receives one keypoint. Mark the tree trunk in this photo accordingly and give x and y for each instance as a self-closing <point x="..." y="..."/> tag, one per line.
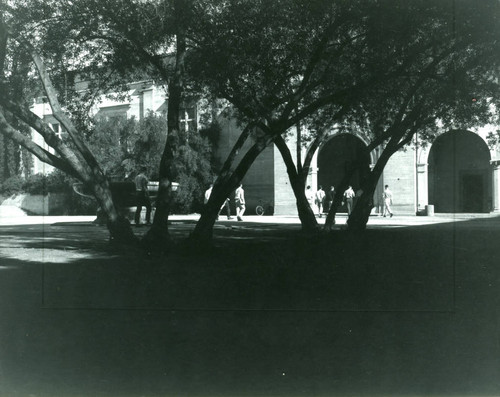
<point x="337" y="200"/>
<point x="361" y="213"/>
<point x="119" y="227"/>
<point x="203" y="231"/>
<point x="158" y="235"/>
<point x="305" y="212"/>
<point x="297" y="181"/>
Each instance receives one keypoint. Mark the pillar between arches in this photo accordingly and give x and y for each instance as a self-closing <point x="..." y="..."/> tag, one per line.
<point x="495" y="164"/>
<point x="422" y="186"/>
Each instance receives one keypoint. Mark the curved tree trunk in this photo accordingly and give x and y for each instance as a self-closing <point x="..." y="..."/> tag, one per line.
<point x="361" y="213"/>
<point x="203" y="231"/>
<point x="305" y="212"/>
<point x="337" y="200"/>
<point x="223" y="186"/>
<point x="297" y="181"/>
<point x="120" y="231"/>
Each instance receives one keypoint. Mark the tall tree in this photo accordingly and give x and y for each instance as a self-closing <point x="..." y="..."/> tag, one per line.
<point x="288" y="61"/>
<point x="72" y="156"/>
<point x="279" y="63"/>
<point x="452" y="85"/>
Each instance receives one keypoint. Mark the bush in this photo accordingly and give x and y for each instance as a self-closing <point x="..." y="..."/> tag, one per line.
<point x="35" y="184"/>
<point x="12" y="185"/>
<point x="59" y="182"/>
<point x="79" y="205"/>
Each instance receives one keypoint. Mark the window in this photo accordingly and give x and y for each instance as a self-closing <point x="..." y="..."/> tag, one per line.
<point x="188" y="118"/>
<point x="58" y="129"/>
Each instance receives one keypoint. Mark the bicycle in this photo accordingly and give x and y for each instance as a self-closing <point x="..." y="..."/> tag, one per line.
<point x="264" y="207"/>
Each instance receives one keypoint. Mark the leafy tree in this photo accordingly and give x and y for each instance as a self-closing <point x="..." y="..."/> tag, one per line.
<point x="75" y="158"/>
<point x="452" y="85"/>
<point x="110" y="141"/>
<point x="319" y="63"/>
<point x="280" y="63"/>
<point x="193" y="169"/>
<point x="123" y="146"/>
<point x="141" y="144"/>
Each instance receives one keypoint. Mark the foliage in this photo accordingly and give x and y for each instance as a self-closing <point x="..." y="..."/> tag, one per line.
<point x="147" y="145"/>
<point x="12" y="185"/>
<point x="193" y="170"/>
<point x="36" y="184"/>
<point x="124" y="146"/>
<point x="140" y="143"/>
<point x="109" y="141"/>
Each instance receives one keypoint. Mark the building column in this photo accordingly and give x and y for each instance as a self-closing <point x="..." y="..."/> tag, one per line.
<point x="422" y="186"/>
<point x="378" y="206"/>
<point x="313" y="172"/>
<point x="495" y="164"/>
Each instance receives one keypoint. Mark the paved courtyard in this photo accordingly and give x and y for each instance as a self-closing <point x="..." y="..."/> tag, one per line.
<point x="408" y="308"/>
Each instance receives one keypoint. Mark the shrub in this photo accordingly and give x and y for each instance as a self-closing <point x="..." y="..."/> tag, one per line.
<point x="12" y="185"/>
<point x="35" y="184"/>
<point x="59" y="182"/>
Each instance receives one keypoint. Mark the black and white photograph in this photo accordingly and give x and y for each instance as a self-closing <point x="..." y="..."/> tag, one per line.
<point x="249" y="198"/>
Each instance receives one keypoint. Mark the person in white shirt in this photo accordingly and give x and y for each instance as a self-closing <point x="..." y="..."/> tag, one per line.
<point x="208" y="193"/>
<point x="349" y="199"/>
<point x="387" y="196"/>
<point x="320" y="198"/>
<point x="239" y="201"/>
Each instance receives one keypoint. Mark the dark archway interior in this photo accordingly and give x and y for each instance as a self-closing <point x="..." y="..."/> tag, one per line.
<point x="459" y="173"/>
<point x="337" y="156"/>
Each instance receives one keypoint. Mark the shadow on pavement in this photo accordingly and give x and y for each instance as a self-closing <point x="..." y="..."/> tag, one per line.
<point x="393" y="311"/>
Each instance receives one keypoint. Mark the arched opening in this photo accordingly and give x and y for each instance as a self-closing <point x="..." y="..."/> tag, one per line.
<point x="337" y="156"/>
<point x="459" y="173"/>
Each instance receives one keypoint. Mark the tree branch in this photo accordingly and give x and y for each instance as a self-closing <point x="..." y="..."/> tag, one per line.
<point x="10" y="132"/>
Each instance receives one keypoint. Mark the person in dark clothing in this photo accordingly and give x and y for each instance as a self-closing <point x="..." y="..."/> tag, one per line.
<point x="142" y="197"/>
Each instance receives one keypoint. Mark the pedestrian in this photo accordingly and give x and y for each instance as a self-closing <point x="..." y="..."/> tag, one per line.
<point x="228" y="209"/>
<point x="349" y="199"/>
<point x="387" y="197"/>
<point x="320" y="198"/>
<point x="208" y="193"/>
<point x="239" y="201"/>
<point x="309" y="195"/>
<point x="329" y="198"/>
<point x="142" y="197"/>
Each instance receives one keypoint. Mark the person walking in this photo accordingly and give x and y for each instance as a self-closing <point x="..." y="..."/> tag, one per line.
<point x="208" y="193"/>
<point x="142" y="197"/>
<point x="239" y="201"/>
<point x="387" y="197"/>
<point x="349" y="199"/>
<point x="329" y="198"/>
<point x="228" y="209"/>
<point x="320" y="198"/>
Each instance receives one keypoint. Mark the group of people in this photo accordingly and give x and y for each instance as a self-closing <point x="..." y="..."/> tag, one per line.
<point x="319" y="198"/>
<point x="239" y="202"/>
<point x="143" y="200"/>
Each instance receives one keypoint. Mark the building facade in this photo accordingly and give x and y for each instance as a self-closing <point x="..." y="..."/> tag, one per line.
<point x="458" y="172"/>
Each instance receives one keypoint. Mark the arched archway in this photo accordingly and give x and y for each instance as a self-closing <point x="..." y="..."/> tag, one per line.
<point x="459" y="173"/>
<point x="336" y="157"/>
